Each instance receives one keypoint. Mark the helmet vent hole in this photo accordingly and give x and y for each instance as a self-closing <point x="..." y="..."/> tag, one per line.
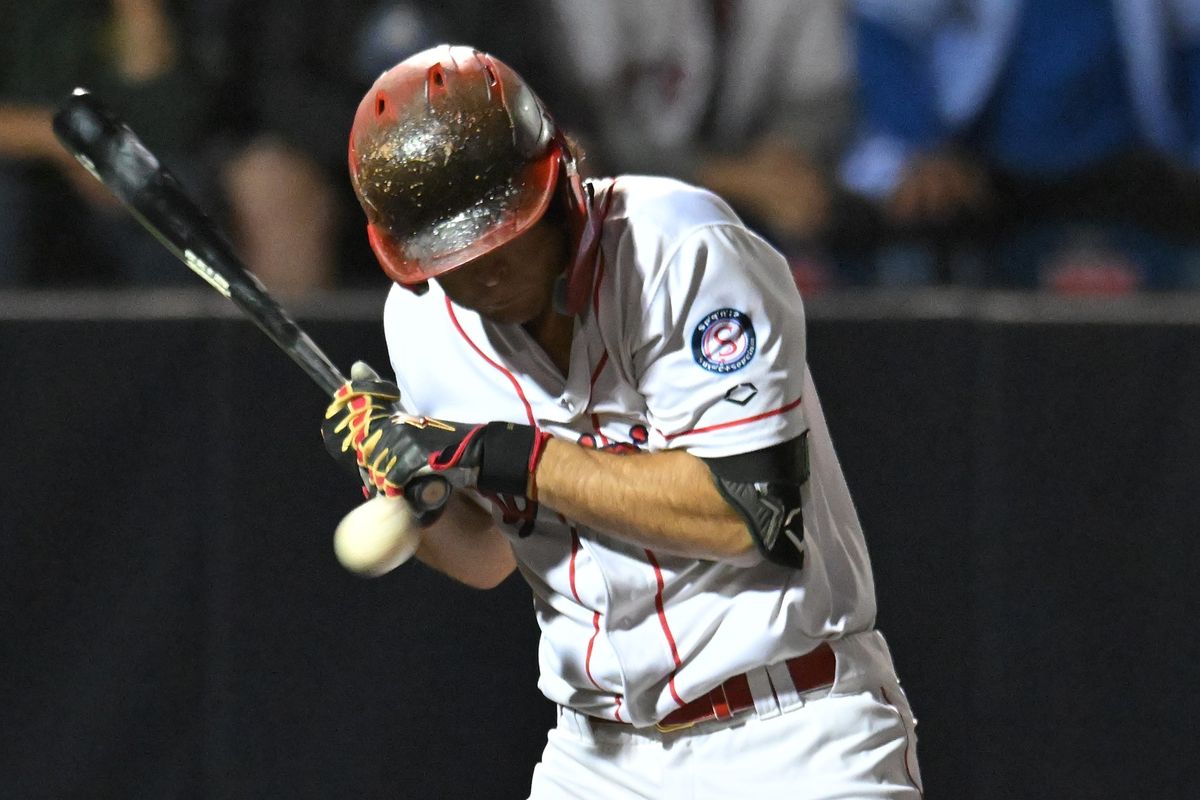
<point x="491" y="75"/>
<point x="380" y="104"/>
<point x="437" y="77"/>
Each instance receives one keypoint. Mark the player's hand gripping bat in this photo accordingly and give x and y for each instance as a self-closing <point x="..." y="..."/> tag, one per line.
<point x="371" y="538"/>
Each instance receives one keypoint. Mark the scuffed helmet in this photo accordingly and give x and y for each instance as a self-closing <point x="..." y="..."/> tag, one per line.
<point x="451" y="156"/>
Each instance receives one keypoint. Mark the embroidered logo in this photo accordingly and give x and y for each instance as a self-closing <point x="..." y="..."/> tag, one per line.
<point x="724" y="341"/>
<point x="742" y="394"/>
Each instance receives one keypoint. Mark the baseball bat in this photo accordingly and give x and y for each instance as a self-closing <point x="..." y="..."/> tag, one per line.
<point x="114" y="154"/>
<point x="109" y="149"/>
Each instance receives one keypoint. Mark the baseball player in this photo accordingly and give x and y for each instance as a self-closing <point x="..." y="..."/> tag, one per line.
<point x="611" y="374"/>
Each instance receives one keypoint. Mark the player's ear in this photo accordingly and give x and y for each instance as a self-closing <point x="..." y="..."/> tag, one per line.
<point x="560" y="295"/>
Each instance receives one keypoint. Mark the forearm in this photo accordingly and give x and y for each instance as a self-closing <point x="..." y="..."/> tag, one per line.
<point x="664" y="501"/>
<point x="466" y="545"/>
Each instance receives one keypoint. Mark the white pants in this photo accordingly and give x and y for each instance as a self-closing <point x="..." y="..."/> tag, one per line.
<point x="858" y="745"/>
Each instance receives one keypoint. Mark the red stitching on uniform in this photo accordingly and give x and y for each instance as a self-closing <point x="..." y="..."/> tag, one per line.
<point x="600" y="262"/>
<point x="617" y="710"/>
<point x="908" y="740"/>
<point x="596" y="313"/>
<point x="587" y="661"/>
<point x="509" y="375"/>
<point x="719" y="426"/>
<point x="571" y="566"/>
<point x="596" y="428"/>
<point x="592" y="386"/>
<point x="599" y="367"/>
<point x="662" y="619"/>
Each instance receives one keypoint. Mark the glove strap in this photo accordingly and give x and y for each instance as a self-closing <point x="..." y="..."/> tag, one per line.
<point x="510" y="455"/>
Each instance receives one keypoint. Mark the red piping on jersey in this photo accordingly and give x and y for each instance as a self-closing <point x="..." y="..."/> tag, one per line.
<point x="907" y="741"/>
<point x="596" y="427"/>
<point x="587" y="660"/>
<point x="719" y="426"/>
<point x="599" y="274"/>
<point x="512" y="379"/>
<point x="662" y="618"/>
<point x="596" y="372"/>
<point x="603" y="356"/>
<point x="574" y="554"/>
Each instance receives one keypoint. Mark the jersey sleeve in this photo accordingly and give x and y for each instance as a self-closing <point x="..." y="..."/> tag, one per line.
<point x="720" y="356"/>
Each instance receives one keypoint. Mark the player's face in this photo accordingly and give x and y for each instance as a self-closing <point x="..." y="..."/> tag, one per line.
<point x="515" y="282"/>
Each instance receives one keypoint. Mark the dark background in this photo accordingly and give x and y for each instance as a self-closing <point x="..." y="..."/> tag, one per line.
<point x="173" y="623"/>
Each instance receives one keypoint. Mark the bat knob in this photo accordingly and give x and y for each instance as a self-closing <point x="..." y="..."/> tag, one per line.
<point x="427" y="495"/>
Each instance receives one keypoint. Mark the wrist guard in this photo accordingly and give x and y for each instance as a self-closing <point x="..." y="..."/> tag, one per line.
<point x="502" y="455"/>
<point x="496" y="457"/>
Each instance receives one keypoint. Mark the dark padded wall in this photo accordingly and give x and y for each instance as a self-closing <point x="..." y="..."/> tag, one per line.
<point x="173" y="622"/>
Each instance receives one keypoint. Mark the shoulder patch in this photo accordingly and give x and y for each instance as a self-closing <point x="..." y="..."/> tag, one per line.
<point x="724" y="341"/>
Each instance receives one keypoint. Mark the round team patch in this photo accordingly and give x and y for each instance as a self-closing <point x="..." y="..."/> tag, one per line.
<point x="724" y="341"/>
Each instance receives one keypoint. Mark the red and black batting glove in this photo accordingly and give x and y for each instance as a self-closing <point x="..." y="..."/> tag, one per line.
<point x="360" y="407"/>
<point x="494" y="457"/>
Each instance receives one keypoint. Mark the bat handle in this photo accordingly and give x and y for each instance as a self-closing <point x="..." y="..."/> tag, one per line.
<point x="427" y="495"/>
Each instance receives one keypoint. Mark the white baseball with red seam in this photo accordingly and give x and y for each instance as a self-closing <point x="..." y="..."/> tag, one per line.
<point x="377" y="536"/>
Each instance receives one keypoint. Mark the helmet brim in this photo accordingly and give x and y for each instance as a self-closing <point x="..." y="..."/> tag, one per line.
<point x="453" y="242"/>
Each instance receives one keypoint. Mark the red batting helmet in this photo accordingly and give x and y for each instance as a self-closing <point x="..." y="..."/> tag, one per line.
<point x="451" y="156"/>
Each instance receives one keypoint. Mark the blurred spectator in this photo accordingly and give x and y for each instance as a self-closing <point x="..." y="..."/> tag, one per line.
<point x="751" y="99"/>
<point x="287" y="91"/>
<point x="1062" y="136"/>
<point x="293" y="75"/>
<point x="57" y="223"/>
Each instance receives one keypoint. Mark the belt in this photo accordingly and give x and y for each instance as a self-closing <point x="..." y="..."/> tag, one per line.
<point x="810" y="671"/>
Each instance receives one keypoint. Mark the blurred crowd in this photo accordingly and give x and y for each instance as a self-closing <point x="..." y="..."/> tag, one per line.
<point x="1040" y="144"/>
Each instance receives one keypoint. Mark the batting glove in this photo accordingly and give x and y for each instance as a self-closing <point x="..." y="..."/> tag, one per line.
<point x="360" y="408"/>
<point x="496" y="457"/>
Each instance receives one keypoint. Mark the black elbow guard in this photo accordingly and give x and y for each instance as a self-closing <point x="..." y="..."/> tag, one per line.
<point x="764" y="488"/>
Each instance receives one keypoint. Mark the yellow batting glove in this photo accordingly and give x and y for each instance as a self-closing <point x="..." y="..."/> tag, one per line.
<point x="357" y="412"/>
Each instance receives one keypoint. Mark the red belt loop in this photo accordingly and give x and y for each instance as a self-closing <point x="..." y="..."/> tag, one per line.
<point x="813" y="670"/>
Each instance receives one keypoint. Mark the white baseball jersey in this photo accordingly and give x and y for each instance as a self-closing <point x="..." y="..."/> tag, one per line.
<point x="694" y="339"/>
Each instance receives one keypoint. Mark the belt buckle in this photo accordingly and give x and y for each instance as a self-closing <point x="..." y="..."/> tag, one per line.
<point x="713" y="713"/>
<point x="672" y="727"/>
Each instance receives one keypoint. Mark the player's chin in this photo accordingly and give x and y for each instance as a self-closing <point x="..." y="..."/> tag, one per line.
<point x="514" y="311"/>
<point x="514" y="314"/>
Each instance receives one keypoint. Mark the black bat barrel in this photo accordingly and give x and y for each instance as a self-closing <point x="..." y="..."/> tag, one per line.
<point x="112" y="152"/>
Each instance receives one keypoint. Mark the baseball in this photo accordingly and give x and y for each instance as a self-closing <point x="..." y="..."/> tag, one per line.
<point x="376" y="537"/>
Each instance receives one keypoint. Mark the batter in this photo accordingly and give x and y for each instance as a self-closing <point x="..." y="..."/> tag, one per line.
<point x="612" y="375"/>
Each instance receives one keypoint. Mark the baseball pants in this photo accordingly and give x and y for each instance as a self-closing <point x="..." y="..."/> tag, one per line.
<point x="825" y="744"/>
